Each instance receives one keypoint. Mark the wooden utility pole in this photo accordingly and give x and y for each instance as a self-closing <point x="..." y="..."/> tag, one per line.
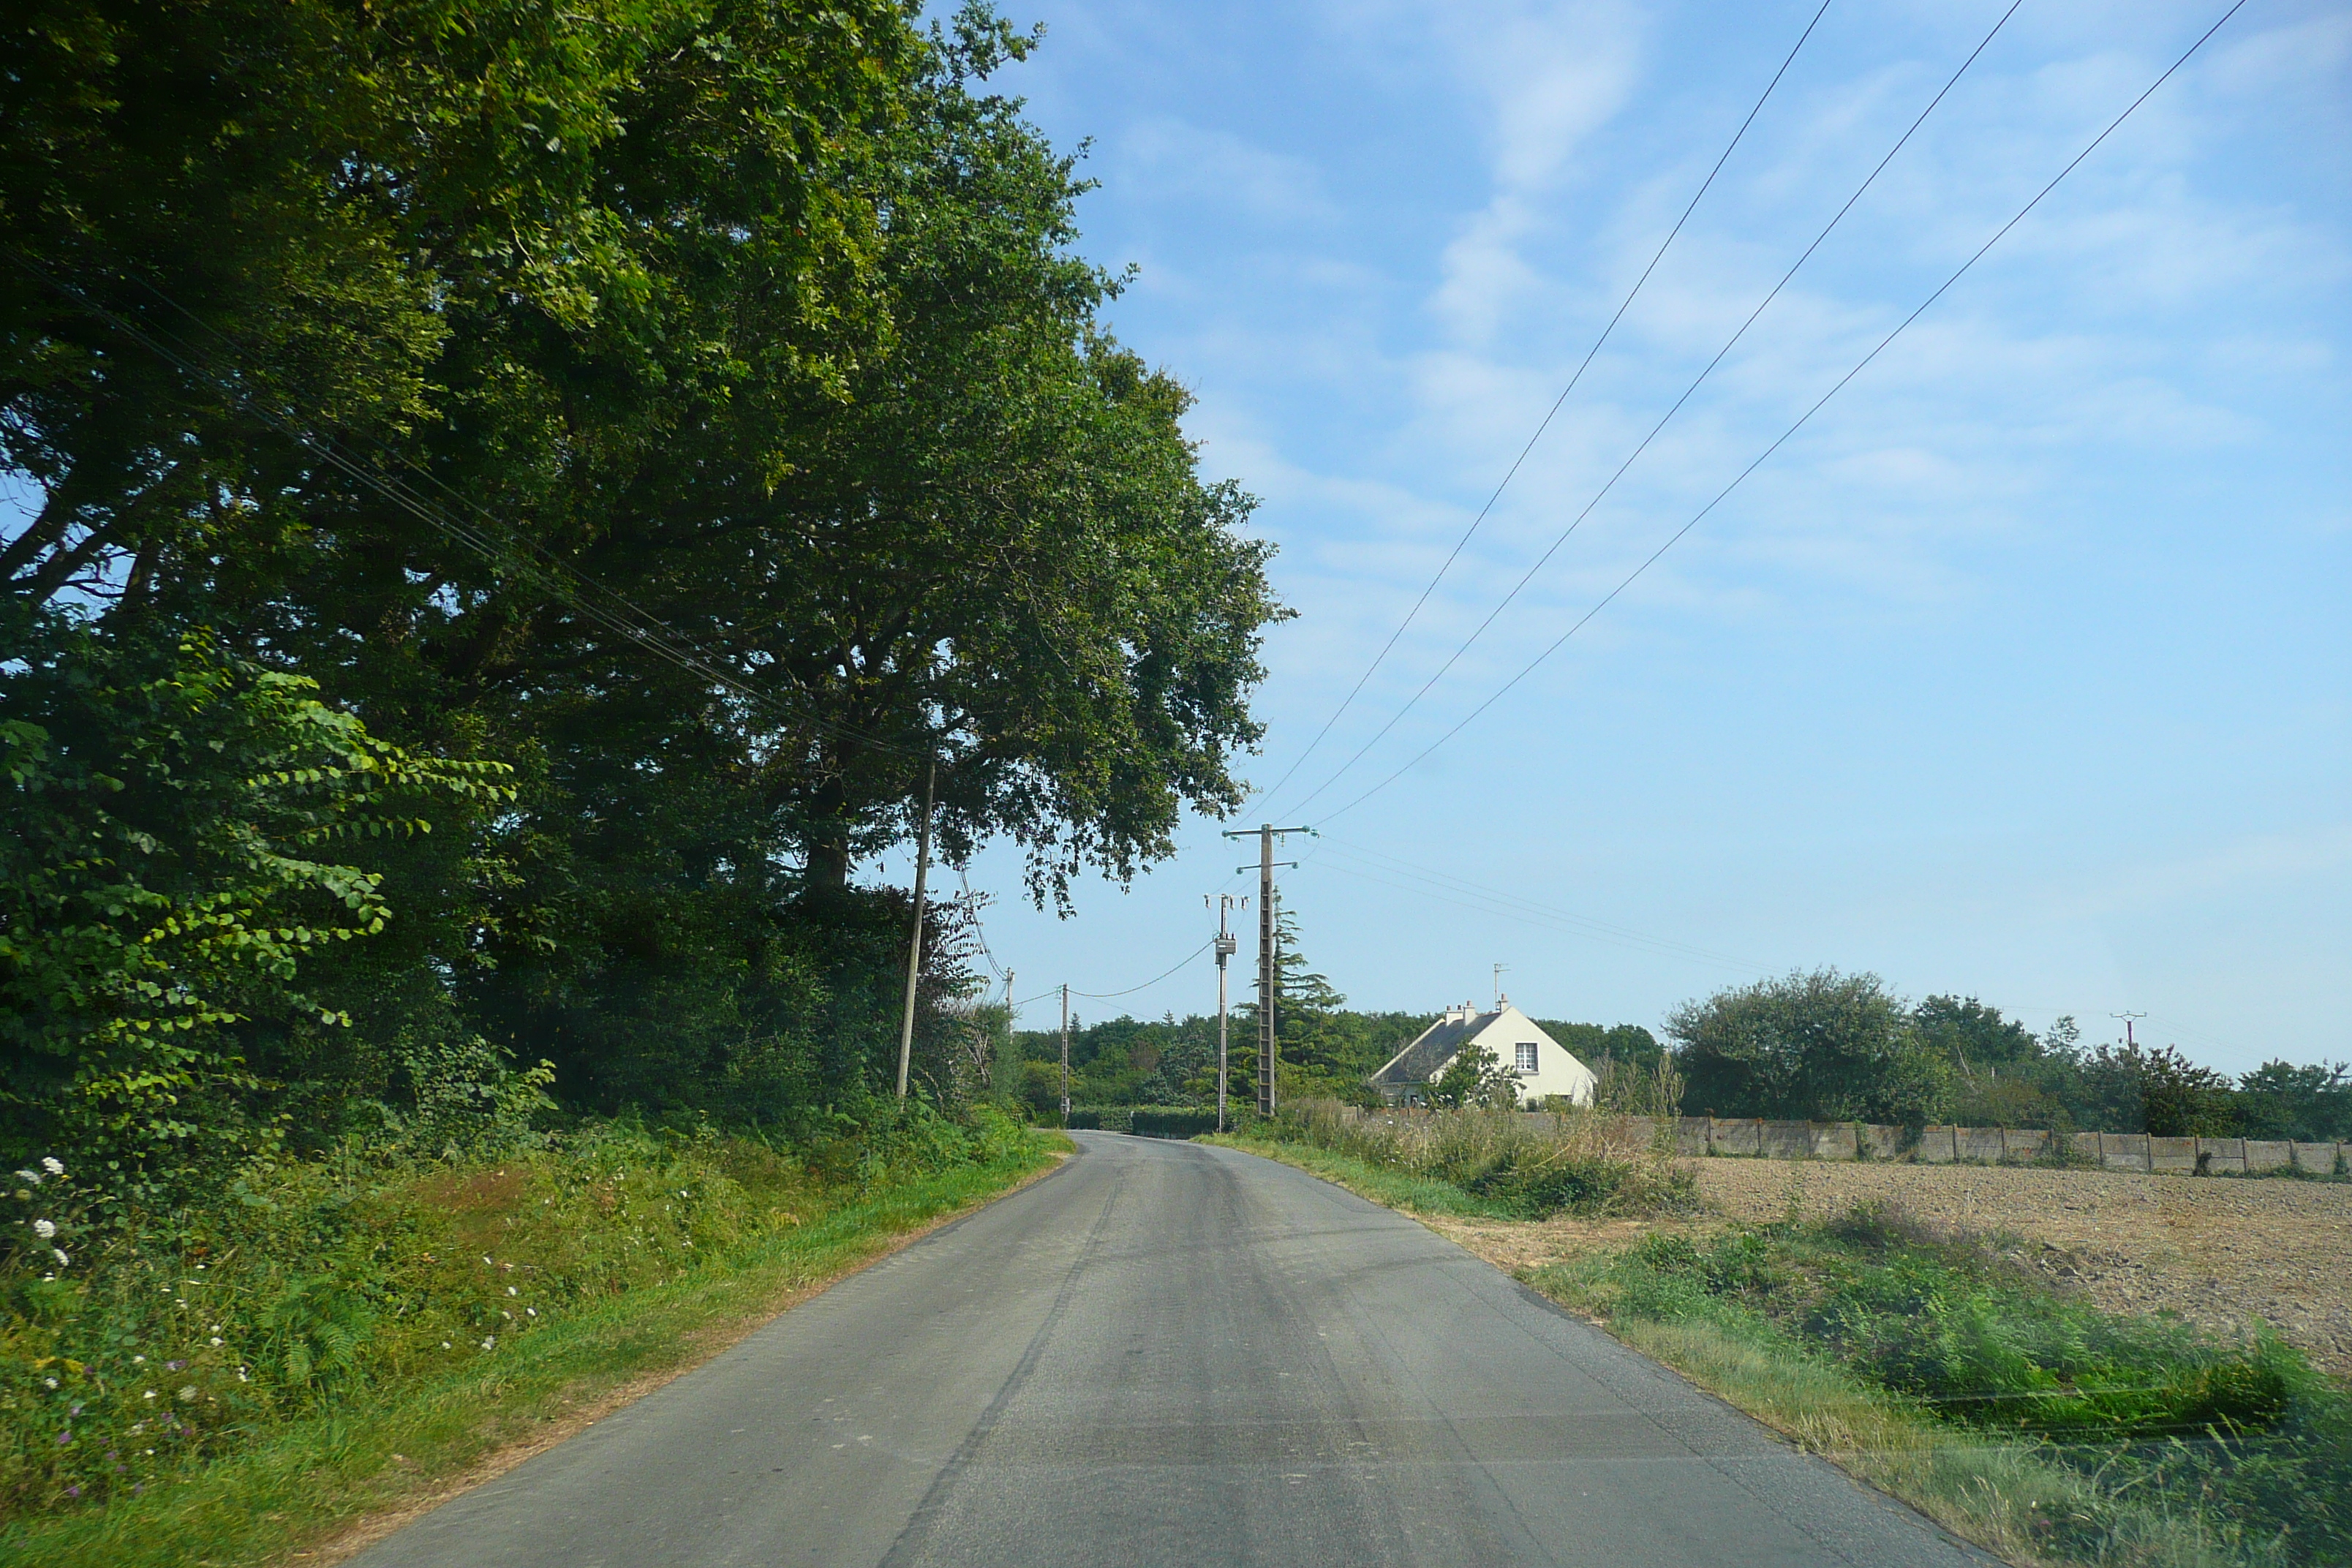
<point x="915" y="947"/>
<point x="1269" y="968"/>
<point x="1066" y="1053"/>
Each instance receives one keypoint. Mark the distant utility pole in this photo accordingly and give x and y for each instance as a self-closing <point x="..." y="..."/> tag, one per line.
<point x="2129" y="1043"/>
<point x="1269" y="969"/>
<point x="1225" y="944"/>
<point x="915" y="947"/>
<point x="1066" y="1053"/>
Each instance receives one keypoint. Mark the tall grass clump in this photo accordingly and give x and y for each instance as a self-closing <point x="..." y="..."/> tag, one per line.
<point x="2068" y="1433"/>
<point x="1529" y="1166"/>
<point x="137" y="1345"/>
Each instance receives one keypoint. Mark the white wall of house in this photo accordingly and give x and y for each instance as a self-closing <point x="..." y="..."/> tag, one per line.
<point x="1516" y="1041"/>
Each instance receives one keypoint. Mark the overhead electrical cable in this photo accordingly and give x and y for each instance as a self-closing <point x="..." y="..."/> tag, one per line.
<point x="1802" y="419"/>
<point x="604" y="606"/>
<point x="1545" y="423"/>
<point x="1510" y="904"/>
<point x="1108" y="995"/>
<point x="1730" y="343"/>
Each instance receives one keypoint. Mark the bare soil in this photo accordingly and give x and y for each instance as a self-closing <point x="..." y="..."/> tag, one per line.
<point x="2221" y="1251"/>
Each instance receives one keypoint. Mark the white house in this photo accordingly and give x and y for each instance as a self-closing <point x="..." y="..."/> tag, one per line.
<point x="1543" y="1066"/>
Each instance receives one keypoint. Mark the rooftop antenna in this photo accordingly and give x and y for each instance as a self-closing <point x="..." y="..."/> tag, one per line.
<point x="1499" y="998"/>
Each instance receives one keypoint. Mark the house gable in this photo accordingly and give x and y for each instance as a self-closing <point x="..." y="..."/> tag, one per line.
<point x="1510" y="1034"/>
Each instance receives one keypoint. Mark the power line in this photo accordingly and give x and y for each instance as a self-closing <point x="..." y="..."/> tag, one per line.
<point x="1601" y="494"/>
<point x="1108" y="995"/>
<point x="1675" y="536"/>
<point x="1545" y="423"/>
<point x="1496" y="901"/>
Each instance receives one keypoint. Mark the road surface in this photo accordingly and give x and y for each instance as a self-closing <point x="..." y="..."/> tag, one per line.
<point x="1165" y="1354"/>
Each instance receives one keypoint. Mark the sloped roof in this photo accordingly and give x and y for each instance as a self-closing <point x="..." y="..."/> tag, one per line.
<point x="1427" y="1056"/>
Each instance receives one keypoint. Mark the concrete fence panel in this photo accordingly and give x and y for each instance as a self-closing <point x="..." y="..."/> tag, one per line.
<point x="2319" y="1158"/>
<point x="2218" y="1154"/>
<point x="1977" y="1144"/>
<point x="2086" y="1146"/>
<point x="1787" y="1140"/>
<point x="2023" y="1142"/>
<point x="2174" y="1154"/>
<point x="2267" y="1154"/>
<point x="1835" y="1139"/>
<point x="1883" y="1142"/>
<point x="1937" y="1145"/>
<point x="1743" y="1136"/>
<point x="2123" y="1151"/>
<point x="1690" y="1135"/>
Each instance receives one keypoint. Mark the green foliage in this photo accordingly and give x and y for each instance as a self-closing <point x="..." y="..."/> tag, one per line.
<point x="1475" y="1076"/>
<point x="2241" y="1433"/>
<point x="1518" y="1165"/>
<point x="1824" y="1046"/>
<point x="2314" y="1104"/>
<point x="181" y="835"/>
<point x="176" y="1339"/>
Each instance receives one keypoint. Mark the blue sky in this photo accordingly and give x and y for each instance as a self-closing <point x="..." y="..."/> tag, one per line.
<point x="2023" y="671"/>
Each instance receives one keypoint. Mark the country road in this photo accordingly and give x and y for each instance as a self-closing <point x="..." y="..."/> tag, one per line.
<point x="1166" y="1354"/>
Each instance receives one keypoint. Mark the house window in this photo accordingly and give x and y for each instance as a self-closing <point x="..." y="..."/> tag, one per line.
<point x="1527" y="1056"/>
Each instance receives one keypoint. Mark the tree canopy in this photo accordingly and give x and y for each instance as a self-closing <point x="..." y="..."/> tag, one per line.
<point x="698" y="408"/>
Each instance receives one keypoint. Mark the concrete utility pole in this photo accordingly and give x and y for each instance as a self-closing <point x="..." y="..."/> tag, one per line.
<point x="2128" y="1042"/>
<point x="1269" y="968"/>
<point x="915" y="947"/>
<point x="1066" y="1053"/>
<point x="1225" y="944"/>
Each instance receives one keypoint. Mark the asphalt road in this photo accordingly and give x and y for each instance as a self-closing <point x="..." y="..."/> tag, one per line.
<point x="1168" y="1353"/>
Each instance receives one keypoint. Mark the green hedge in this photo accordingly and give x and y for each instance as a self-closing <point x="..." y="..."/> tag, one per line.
<point x="1171" y="1122"/>
<point x="1146" y="1120"/>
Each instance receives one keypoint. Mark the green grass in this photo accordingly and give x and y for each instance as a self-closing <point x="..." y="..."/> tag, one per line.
<point x="1382" y="1185"/>
<point x="305" y="1477"/>
<point x="2031" y="1422"/>
<point x="1496" y="1164"/>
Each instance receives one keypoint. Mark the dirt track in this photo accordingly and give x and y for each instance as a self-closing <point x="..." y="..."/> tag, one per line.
<point x="2218" y="1250"/>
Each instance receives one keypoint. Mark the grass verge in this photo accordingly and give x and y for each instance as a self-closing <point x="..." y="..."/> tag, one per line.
<point x="313" y="1482"/>
<point x="1389" y="1187"/>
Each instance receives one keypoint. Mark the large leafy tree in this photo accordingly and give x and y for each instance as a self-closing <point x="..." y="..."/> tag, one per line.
<point x="691" y="402"/>
<point x="1822" y="1044"/>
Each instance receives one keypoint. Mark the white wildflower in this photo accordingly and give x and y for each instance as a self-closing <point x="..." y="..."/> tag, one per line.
<point x="243" y="1375"/>
<point x="149" y="1395"/>
<point x="493" y="1341"/>
<point x="445" y="1344"/>
<point x="512" y="1291"/>
<point x="50" y="1381"/>
<point x="62" y="1260"/>
<point x="49" y="1164"/>
<point x="32" y="1176"/>
<point x="44" y="1228"/>
<point x="137" y="1359"/>
<point x="532" y="1311"/>
<point x="216" y="1339"/>
<point x="187" y="1392"/>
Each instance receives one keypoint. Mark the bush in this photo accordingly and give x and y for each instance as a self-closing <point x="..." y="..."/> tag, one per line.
<point x="1166" y="1121"/>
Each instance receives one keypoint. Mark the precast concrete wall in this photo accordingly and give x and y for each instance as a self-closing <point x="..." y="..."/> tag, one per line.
<point x="1748" y="1137"/>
